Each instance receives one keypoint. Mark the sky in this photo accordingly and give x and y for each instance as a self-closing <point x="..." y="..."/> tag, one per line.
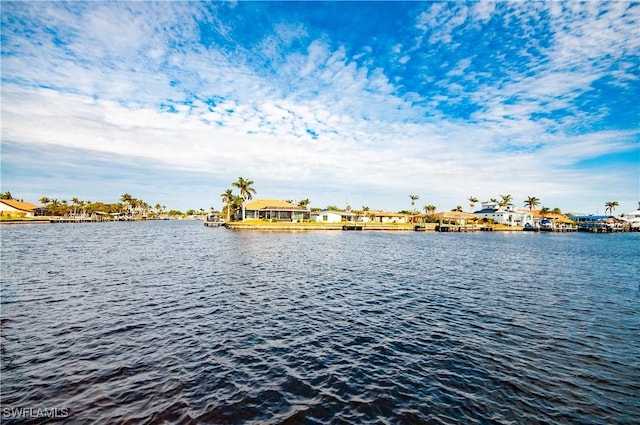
<point x="342" y="103"/>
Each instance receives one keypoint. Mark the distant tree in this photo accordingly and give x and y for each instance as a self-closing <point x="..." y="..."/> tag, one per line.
<point x="457" y="209"/>
<point x="6" y="195"/>
<point x="304" y="203"/>
<point x="532" y="202"/>
<point x="472" y="202"/>
<point x="365" y="208"/>
<point x="414" y="198"/>
<point x="44" y="201"/>
<point x="506" y="199"/>
<point x="556" y="211"/>
<point x="611" y="206"/>
<point x="332" y="208"/>
<point x="544" y="211"/>
<point x="246" y="191"/>
<point x="429" y="209"/>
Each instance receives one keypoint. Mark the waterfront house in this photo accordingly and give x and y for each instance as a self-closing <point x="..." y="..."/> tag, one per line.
<point x="633" y="220"/>
<point x="388" y="217"/>
<point x="333" y="216"/>
<point x="13" y="207"/>
<point x="598" y="223"/>
<point x="275" y="209"/>
<point x="508" y="215"/>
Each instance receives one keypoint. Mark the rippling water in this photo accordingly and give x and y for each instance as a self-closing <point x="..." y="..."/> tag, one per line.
<point x="172" y="322"/>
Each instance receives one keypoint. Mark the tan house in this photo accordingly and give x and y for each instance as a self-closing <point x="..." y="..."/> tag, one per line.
<point x="275" y="209"/>
<point x="388" y="217"/>
<point x="13" y="207"/>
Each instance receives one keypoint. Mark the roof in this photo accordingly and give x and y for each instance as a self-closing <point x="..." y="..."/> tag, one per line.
<point x="388" y="214"/>
<point x="337" y="212"/>
<point x="271" y="204"/>
<point x="19" y="205"/>
<point x="560" y="218"/>
<point x="454" y="215"/>
<point x="591" y="217"/>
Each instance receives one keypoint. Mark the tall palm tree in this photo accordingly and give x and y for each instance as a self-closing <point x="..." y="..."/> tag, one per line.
<point x="246" y="191"/>
<point x="532" y="202"/>
<point x="227" y="199"/>
<point x="44" y="200"/>
<point x="506" y="199"/>
<point x="472" y="202"/>
<point x="610" y="206"/>
<point x="414" y="198"/>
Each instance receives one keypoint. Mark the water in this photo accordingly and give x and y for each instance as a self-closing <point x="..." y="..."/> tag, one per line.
<point x="173" y="322"/>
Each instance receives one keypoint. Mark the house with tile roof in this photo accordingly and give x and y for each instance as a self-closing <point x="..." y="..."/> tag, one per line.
<point x="14" y="207"/>
<point x="275" y="209"/>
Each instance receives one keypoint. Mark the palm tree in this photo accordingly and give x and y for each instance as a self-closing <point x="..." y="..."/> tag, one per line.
<point x="127" y="200"/>
<point x="556" y="211"/>
<point x="611" y="206"/>
<point x="532" y="202"/>
<point x="227" y="199"/>
<point x="6" y="195"/>
<point x="414" y="198"/>
<point x="472" y="202"/>
<point x="74" y="203"/>
<point x="429" y="209"/>
<point x="457" y="208"/>
<point x="506" y="199"/>
<point x="44" y="200"/>
<point x="245" y="189"/>
<point x="544" y="211"/>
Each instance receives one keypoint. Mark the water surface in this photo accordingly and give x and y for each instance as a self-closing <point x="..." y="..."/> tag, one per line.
<point x="173" y="322"/>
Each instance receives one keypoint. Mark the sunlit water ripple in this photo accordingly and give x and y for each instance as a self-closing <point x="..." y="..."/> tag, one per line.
<point x="172" y="322"/>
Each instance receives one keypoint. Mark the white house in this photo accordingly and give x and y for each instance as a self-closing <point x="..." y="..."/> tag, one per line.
<point x="508" y="215"/>
<point x="11" y="206"/>
<point x="633" y="218"/>
<point x="332" y="216"/>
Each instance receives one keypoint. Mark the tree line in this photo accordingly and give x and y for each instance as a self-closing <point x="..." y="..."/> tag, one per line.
<point x="531" y="202"/>
<point x="233" y="205"/>
<point x="128" y="205"/>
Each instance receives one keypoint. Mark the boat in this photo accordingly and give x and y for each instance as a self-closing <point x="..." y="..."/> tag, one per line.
<point x="213" y="219"/>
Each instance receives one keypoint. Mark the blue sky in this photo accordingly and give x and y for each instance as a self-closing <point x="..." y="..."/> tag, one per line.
<point x="359" y="103"/>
